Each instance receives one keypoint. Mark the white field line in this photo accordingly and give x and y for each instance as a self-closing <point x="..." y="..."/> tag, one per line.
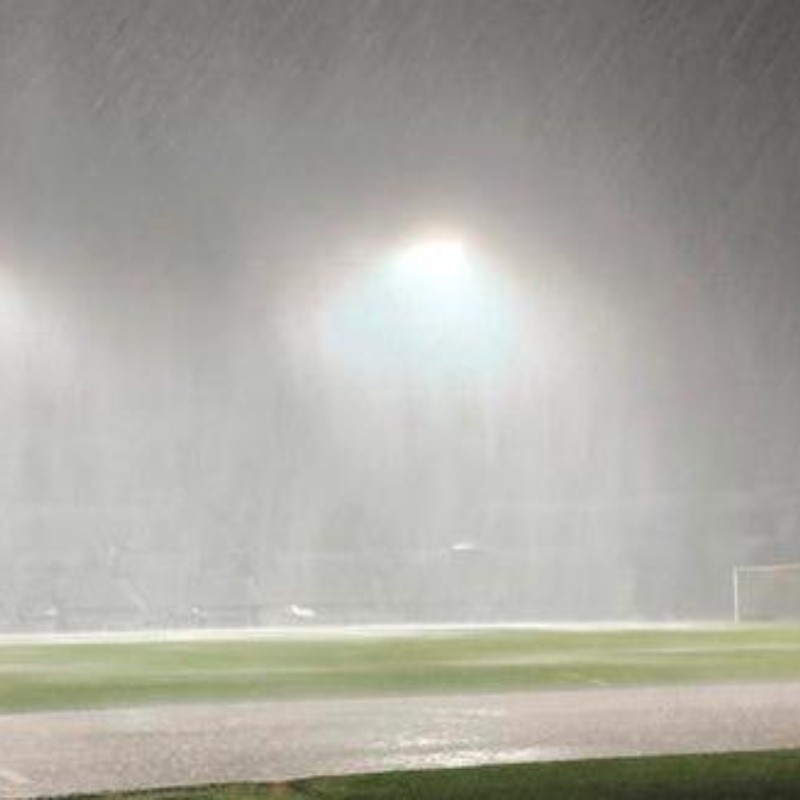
<point x="10" y="776"/>
<point x="333" y="632"/>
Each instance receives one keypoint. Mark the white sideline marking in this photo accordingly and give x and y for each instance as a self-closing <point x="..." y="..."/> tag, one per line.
<point x="13" y="777"/>
<point x="309" y="631"/>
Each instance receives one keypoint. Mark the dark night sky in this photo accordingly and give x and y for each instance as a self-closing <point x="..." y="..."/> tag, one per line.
<point x="174" y="173"/>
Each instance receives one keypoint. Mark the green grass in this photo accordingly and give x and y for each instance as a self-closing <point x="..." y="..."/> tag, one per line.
<point x="92" y="675"/>
<point x="751" y="776"/>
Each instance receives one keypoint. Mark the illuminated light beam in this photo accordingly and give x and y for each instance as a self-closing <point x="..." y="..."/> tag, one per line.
<point x="433" y="307"/>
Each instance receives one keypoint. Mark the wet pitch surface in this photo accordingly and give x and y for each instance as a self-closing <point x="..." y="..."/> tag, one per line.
<point x="64" y="752"/>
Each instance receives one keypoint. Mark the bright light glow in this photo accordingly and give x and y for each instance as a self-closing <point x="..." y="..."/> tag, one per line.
<point x="16" y="319"/>
<point x="442" y="259"/>
<point x="32" y="334"/>
<point x="434" y="307"/>
<point x="434" y="277"/>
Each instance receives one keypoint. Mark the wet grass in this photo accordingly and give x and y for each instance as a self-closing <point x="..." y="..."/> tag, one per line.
<point x="53" y="676"/>
<point x="750" y="776"/>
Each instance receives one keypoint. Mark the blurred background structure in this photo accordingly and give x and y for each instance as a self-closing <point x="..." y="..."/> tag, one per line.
<point x="121" y="568"/>
<point x="237" y="386"/>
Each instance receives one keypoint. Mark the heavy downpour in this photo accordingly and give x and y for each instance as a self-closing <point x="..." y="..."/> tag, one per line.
<point x="386" y="311"/>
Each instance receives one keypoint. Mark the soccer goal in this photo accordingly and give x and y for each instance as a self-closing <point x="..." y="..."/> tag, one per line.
<point x="768" y="593"/>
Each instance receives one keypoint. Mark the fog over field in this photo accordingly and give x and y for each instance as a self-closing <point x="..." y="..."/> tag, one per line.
<point x="376" y="311"/>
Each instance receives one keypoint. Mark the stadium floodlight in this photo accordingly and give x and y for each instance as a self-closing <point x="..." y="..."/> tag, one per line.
<point x="35" y="338"/>
<point x="20" y="326"/>
<point x="15" y="319"/>
<point x="766" y="593"/>
<point x="434" y="282"/>
<point x="437" y="261"/>
<point x="432" y="308"/>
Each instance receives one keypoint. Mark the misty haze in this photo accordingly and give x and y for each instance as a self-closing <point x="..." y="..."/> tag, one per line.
<point x="322" y="313"/>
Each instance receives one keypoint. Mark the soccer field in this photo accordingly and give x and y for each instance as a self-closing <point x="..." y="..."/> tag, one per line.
<point x="94" y="673"/>
<point x="743" y="776"/>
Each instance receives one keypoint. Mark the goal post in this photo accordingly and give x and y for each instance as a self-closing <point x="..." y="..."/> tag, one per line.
<point x="766" y="593"/>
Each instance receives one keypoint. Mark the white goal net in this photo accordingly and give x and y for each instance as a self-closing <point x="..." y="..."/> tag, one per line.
<point x="768" y="593"/>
